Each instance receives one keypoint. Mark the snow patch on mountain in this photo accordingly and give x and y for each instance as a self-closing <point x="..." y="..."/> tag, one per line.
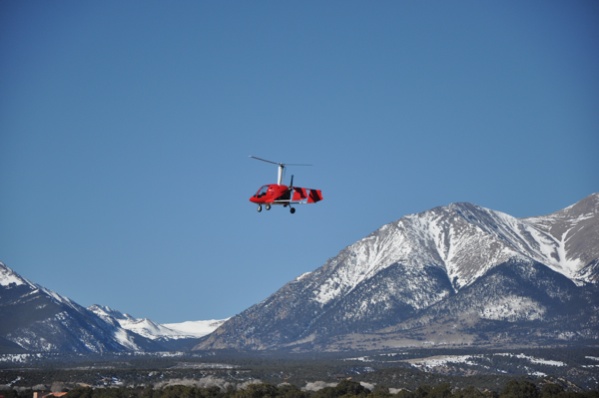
<point x="124" y="339"/>
<point x="195" y="328"/>
<point x="7" y="277"/>
<point x="154" y="331"/>
<point x="302" y="276"/>
<point x="513" y="308"/>
<point x="534" y="360"/>
<point x="362" y="260"/>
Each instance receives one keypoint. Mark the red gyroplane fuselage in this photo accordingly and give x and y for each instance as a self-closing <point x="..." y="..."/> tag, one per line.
<point x="275" y="194"/>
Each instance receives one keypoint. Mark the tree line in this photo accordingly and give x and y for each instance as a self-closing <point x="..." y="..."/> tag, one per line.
<point x="345" y="389"/>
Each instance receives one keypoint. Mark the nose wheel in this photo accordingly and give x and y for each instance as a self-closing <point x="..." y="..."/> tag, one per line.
<point x="291" y="210"/>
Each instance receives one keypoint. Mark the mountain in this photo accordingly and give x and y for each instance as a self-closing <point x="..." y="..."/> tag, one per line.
<point x="40" y="320"/>
<point x="453" y="275"/>
<point x="35" y="319"/>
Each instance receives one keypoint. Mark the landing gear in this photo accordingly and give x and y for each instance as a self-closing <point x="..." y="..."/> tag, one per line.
<point x="268" y="206"/>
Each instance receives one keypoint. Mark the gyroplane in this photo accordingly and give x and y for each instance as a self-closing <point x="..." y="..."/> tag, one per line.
<point x="279" y="194"/>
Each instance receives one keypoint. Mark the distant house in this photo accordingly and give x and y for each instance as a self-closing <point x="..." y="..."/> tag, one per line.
<point x="47" y="395"/>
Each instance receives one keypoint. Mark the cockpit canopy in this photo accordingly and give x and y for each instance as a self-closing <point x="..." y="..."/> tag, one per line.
<point x="262" y="191"/>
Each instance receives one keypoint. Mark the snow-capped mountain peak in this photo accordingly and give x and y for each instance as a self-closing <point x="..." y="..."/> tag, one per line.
<point x="8" y="277"/>
<point x="458" y="238"/>
<point x="465" y="240"/>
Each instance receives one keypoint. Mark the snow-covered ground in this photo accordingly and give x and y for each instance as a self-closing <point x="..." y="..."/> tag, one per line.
<point x="431" y="364"/>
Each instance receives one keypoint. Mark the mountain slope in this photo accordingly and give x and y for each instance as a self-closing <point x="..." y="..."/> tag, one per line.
<point x="514" y="304"/>
<point x="573" y="235"/>
<point x="437" y="260"/>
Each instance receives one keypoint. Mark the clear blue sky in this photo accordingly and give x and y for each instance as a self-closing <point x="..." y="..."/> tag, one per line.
<point x="126" y="129"/>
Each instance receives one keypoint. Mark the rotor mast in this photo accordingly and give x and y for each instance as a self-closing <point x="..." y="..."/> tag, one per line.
<point x="280" y="174"/>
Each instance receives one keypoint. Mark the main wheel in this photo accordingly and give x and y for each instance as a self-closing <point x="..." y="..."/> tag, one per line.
<point x="292" y="210"/>
<point x="267" y="207"/>
<point x="259" y="209"/>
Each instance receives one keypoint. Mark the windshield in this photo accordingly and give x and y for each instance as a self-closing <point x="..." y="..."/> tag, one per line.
<point x="262" y="191"/>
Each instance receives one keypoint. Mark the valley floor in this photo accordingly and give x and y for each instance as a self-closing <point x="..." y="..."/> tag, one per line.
<point x="571" y="369"/>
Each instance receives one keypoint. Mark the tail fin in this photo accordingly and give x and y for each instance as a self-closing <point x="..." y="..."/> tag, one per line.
<point x="315" y="195"/>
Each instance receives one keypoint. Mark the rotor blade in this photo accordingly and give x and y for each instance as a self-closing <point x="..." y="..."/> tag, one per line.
<point x="267" y="161"/>
<point x="279" y="163"/>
